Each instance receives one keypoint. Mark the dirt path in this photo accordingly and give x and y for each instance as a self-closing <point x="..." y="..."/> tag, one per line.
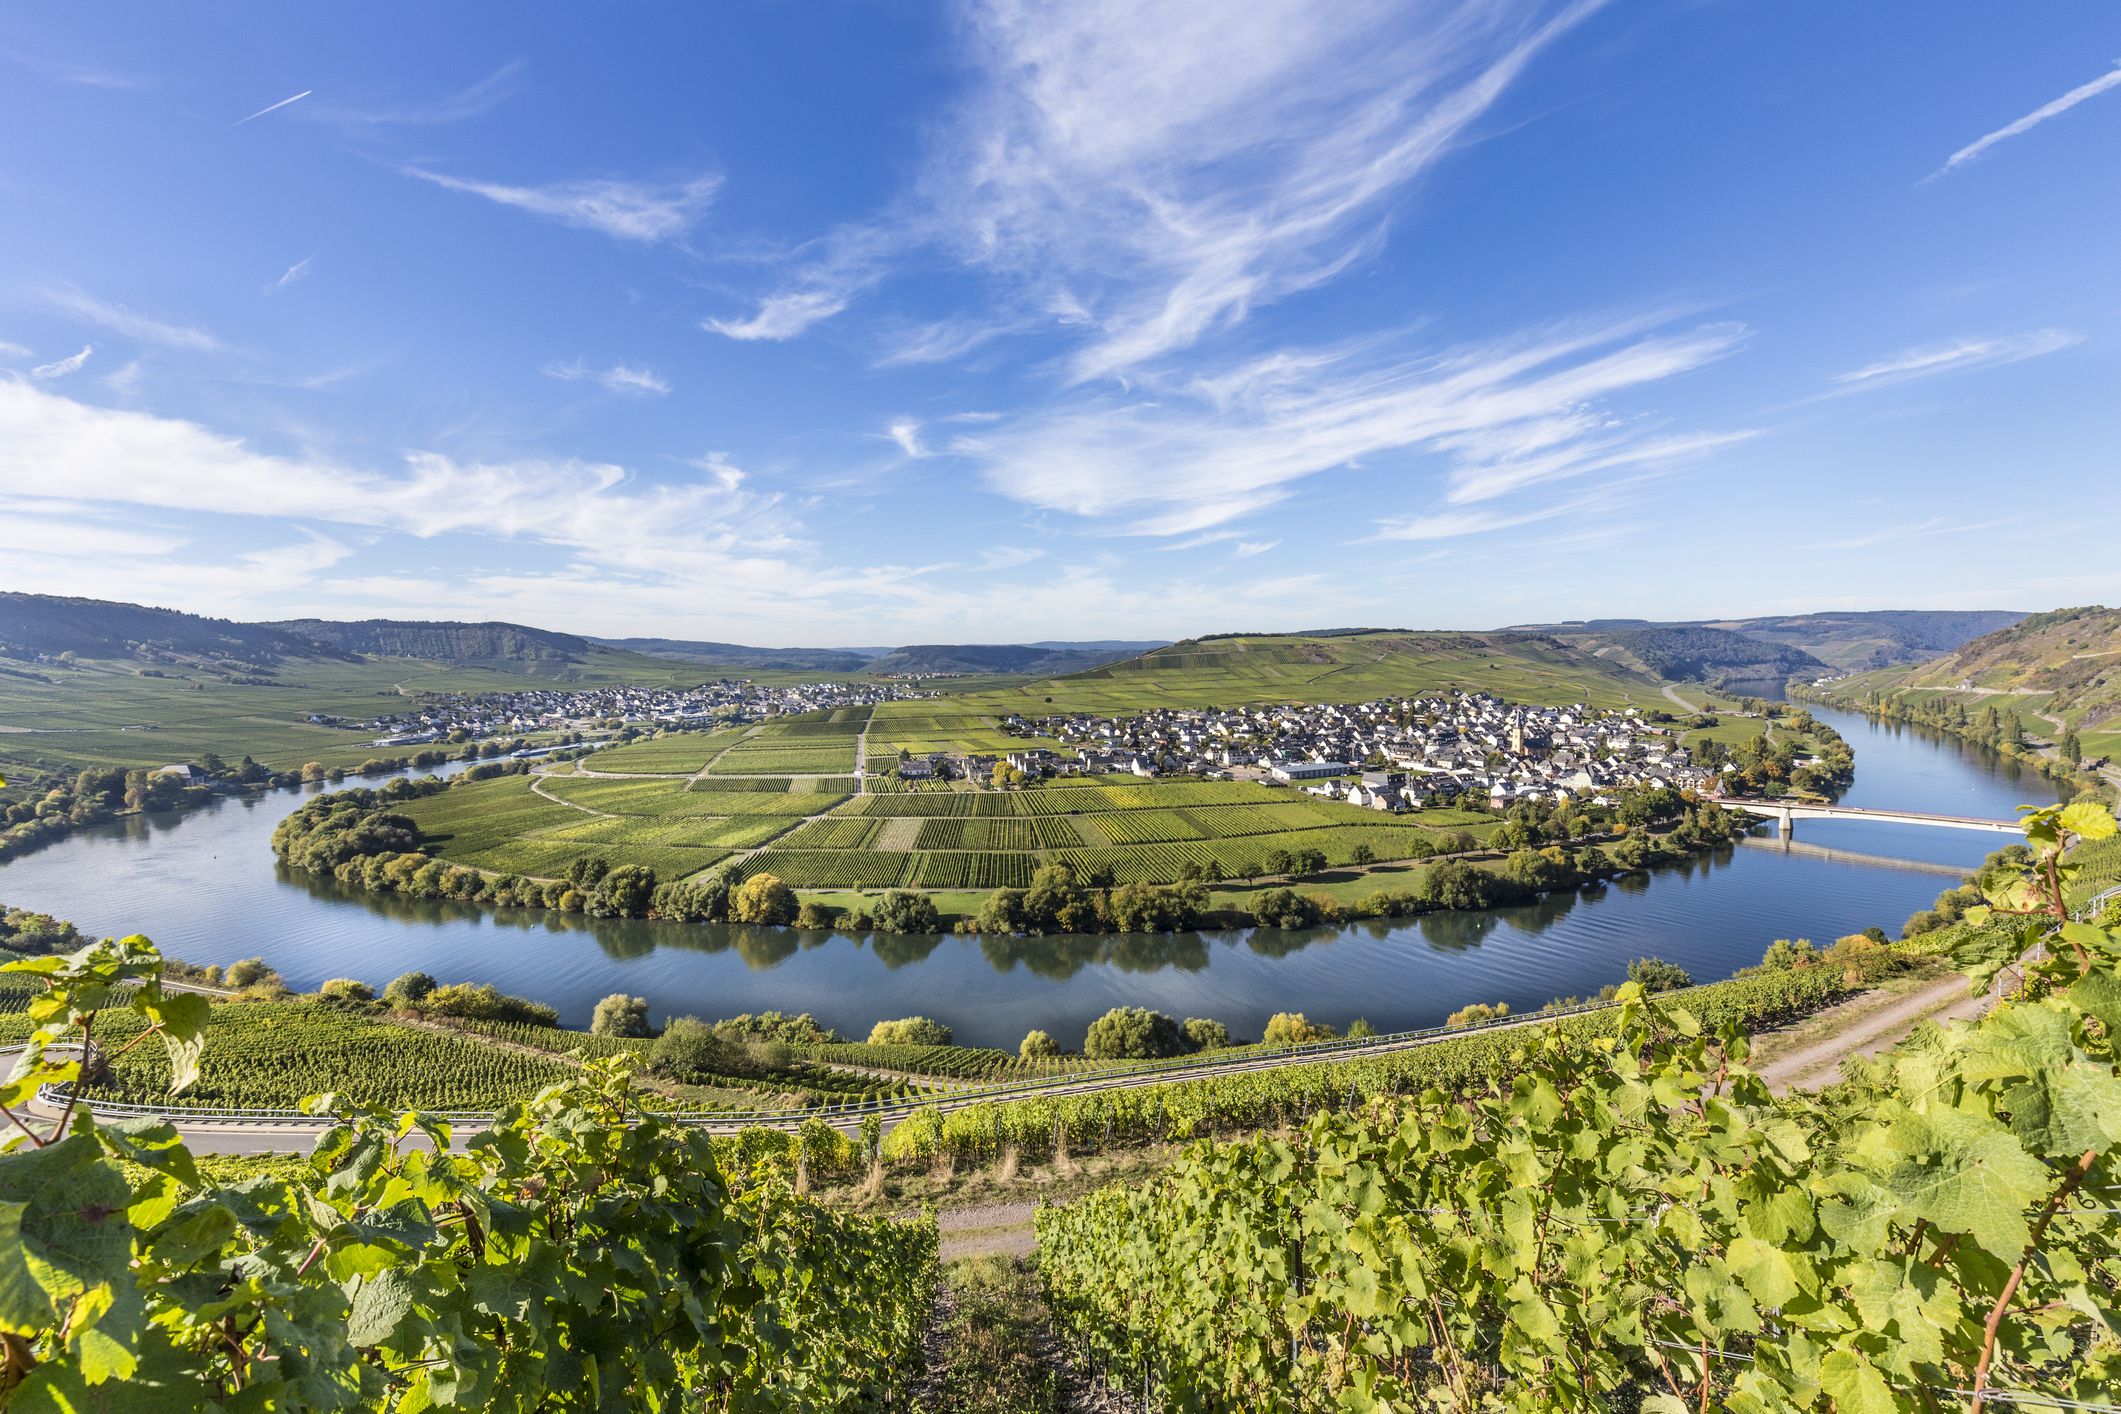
<point x="1808" y="1055"/>
<point x="987" y="1230"/>
<point x="537" y="788"/>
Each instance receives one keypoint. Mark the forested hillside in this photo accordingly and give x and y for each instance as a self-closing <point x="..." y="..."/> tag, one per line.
<point x="1848" y="642"/>
<point x="34" y="625"/>
<point x="2053" y="676"/>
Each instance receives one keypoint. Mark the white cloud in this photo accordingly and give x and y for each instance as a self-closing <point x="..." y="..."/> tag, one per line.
<point x="906" y="432"/>
<point x="1147" y="175"/>
<point x="297" y="271"/>
<point x="1980" y="145"/>
<point x="782" y="316"/>
<point x="624" y="210"/>
<point x="469" y="102"/>
<point x="59" y="368"/>
<point x="8" y="350"/>
<point x="1193" y="456"/>
<point x="619" y="378"/>
<point x="129" y="322"/>
<point x="268" y="108"/>
<point x="1916" y="530"/>
<point x="1956" y="356"/>
<point x="1246" y="549"/>
<point x="596" y="512"/>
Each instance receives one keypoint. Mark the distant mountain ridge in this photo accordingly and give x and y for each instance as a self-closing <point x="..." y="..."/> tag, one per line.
<point x="1728" y="650"/>
<point x="41" y="624"/>
<point x="737" y="655"/>
<point x="49" y="625"/>
<point x="441" y="641"/>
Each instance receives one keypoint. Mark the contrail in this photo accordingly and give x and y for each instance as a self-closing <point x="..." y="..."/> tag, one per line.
<point x="263" y="111"/>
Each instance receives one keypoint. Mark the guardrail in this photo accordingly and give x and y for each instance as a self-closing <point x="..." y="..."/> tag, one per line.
<point x="1204" y="1066"/>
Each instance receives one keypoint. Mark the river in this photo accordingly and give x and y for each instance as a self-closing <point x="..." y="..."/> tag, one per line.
<point x="206" y="888"/>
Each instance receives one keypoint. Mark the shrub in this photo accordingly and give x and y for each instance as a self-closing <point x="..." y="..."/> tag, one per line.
<point x="620" y="1015"/>
<point x="815" y="914"/>
<point x="909" y="1031"/>
<point x="1477" y="1013"/>
<point x="1786" y="955"/>
<point x="1657" y="975"/>
<point x="1037" y="1045"/>
<point x="1134" y="1033"/>
<point x="762" y="898"/>
<point x="408" y="989"/>
<point x="624" y="892"/>
<point x="480" y="1001"/>
<point x="347" y="989"/>
<point x="1204" y="1034"/>
<point x="1292" y="1028"/>
<point x="691" y="1051"/>
<point x="248" y="972"/>
<point x="901" y="912"/>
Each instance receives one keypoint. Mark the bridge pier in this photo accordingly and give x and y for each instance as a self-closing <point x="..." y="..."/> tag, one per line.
<point x="1786" y="825"/>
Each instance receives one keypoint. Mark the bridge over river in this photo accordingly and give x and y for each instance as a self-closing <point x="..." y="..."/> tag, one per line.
<point x="1786" y="814"/>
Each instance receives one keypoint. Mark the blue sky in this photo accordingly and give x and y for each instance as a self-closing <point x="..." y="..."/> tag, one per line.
<point x="872" y="323"/>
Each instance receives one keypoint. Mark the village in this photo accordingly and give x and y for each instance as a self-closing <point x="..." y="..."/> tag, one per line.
<point x="727" y="702"/>
<point x="1394" y="754"/>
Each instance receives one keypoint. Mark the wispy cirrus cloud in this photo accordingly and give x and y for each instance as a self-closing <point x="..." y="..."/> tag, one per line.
<point x="8" y="350"/>
<point x="1146" y="176"/>
<point x="297" y="271"/>
<point x="131" y="323"/>
<point x="268" y="108"/>
<point x="59" y="368"/>
<point x="906" y="433"/>
<point x="1191" y="456"/>
<point x="619" y="378"/>
<point x="782" y="316"/>
<point x="64" y="71"/>
<point x="1981" y="145"/>
<point x="1929" y="529"/>
<point x="1955" y="356"/>
<point x="647" y="212"/>
<point x="472" y="101"/>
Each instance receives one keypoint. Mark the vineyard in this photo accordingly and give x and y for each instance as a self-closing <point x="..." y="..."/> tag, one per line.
<point x="1645" y="1225"/>
<point x="580" y="1256"/>
<point x="269" y="1055"/>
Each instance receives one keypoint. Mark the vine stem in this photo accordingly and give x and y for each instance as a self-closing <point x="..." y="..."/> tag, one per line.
<point x="2055" y="1200"/>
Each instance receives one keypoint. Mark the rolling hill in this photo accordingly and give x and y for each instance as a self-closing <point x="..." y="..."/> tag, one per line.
<point x="1035" y="659"/>
<point x="1338" y="667"/>
<point x="2055" y="671"/>
<point x="45" y="625"/>
<point x="442" y="641"/>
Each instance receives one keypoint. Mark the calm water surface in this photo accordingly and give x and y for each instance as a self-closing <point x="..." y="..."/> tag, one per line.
<point x="206" y="887"/>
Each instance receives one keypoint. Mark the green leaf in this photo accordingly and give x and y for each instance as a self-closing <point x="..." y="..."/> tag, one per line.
<point x="25" y="1307"/>
<point x="1962" y="1172"/>
<point x="1857" y="1387"/>
<point x="378" y="1306"/>
<point x="2088" y="819"/>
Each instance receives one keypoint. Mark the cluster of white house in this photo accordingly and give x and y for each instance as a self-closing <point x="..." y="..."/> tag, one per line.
<point x="573" y="709"/>
<point x="1394" y="753"/>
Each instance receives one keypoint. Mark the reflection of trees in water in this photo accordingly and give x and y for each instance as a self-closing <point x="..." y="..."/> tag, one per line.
<point x="1059" y="957"/>
<point x="896" y="950"/>
<point x="1456" y="931"/>
<point x="1280" y="942"/>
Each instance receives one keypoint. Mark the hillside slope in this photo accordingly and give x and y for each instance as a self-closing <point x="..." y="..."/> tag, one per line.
<point x="2055" y="671"/>
<point x="1693" y="653"/>
<point x="1854" y="641"/>
<point x="738" y="655"/>
<point x="442" y="641"/>
<point x="1349" y="667"/>
<point x="33" y="625"/>
<point x="1012" y="658"/>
